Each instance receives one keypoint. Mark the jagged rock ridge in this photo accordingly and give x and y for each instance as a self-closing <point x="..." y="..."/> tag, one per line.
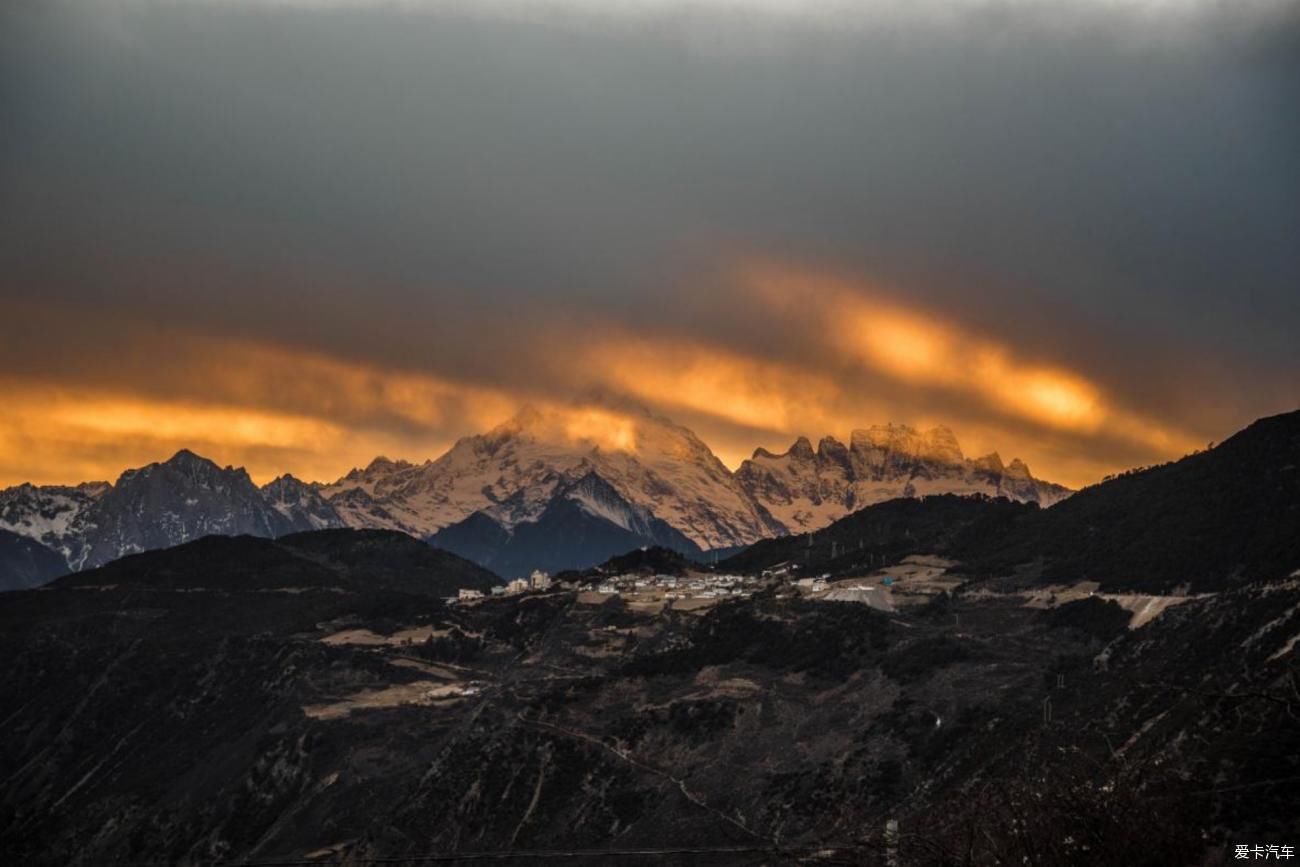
<point x="158" y="506"/>
<point x="806" y="489"/>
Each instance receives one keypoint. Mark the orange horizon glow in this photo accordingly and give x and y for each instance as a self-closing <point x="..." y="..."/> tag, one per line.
<point x="275" y="409"/>
<point x="90" y="437"/>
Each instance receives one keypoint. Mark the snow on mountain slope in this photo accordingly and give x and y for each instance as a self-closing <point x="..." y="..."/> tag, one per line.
<point x="513" y="471"/>
<point x="598" y="499"/>
<point x="301" y="504"/>
<point x="54" y="515"/>
<point x="584" y="523"/>
<point x="806" y="489"/>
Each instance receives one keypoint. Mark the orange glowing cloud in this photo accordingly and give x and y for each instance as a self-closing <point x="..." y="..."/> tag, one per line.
<point x="278" y="409"/>
<point x="67" y="434"/>
<point x="678" y="374"/>
<point x="306" y="414"/>
<point x="736" y="402"/>
<point x="93" y="417"/>
<point x="865" y="327"/>
<point x="271" y="409"/>
<point x="587" y="425"/>
<point x="351" y="393"/>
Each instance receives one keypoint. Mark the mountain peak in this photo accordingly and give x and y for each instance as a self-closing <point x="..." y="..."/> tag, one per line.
<point x="528" y="418"/>
<point x="1017" y="469"/>
<point x="553" y="425"/>
<point x="185" y="457"/>
<point x="801" y="449"/>
<point x="887" y="436"/>
<point x="599" y="398"/>
<point x="197" y="466"/>
<point x="287" y="482"/>
<point x="94" y="489"/>
<point x="514" y="470"/>
<point x="602" y="424"/>
<point x="830" y="447"/>
<point x="940" y="444"/>
<point x="379" y="468"/>
<point x="184" y="462"/>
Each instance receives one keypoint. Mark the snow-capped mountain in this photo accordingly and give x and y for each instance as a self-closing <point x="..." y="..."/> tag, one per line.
<point x="806" y="489"/>
<point x="514" y="471"/>
<point x="586" y="522"/>
<point x="567" y="487"/>
<point x="54" y="515"/>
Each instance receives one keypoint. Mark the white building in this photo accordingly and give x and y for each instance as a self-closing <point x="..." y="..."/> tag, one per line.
<point x="467" y="593"/>
<point x="518" y="585"/>
<point x="539" y="580"/>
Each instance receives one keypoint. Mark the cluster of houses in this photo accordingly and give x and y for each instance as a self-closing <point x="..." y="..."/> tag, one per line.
<point x="699" y="585"/>
<point x="539" y="580"/>
<point x="695" y="586"/>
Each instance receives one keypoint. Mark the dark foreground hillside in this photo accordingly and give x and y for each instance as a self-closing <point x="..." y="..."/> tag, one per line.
<point x="289" y="701"/>
<point x="335" y="560"/>
<point x="1211" y="521"/>
<point x="886" y="532"/>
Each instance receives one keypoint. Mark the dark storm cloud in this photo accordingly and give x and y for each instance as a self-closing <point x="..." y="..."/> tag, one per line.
<point x="1104" y="187"/>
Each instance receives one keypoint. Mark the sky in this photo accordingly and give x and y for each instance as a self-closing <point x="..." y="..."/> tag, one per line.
<point x="296" y="235"/>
